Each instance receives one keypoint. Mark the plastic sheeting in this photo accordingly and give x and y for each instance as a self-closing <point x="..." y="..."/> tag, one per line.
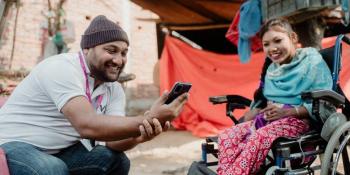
<point x="211" y="74"/>
<point x="214" y="74"/>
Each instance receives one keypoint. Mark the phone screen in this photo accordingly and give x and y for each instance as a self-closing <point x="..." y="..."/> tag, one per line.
<point x="178" y="89"/>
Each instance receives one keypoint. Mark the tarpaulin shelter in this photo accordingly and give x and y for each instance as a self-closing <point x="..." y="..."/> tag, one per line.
<point x="211" y="73"/>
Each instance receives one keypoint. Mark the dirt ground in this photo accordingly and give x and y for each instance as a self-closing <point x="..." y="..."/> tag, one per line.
<point x="171" y="153"/>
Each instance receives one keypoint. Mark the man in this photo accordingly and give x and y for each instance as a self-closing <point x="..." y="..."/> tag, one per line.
<point x="72" y="96"/>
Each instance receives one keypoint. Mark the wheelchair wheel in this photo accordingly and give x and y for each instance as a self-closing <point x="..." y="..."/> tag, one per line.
<point x="329" y="164"/>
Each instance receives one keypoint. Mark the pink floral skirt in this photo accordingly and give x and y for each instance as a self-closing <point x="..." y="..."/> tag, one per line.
<point x="242" y="151"/>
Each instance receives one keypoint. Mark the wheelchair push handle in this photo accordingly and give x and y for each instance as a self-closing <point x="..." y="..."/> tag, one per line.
<point x="346" y="39"/>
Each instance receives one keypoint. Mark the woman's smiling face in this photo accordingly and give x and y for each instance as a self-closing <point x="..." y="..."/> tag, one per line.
<point x="278" y="45"/>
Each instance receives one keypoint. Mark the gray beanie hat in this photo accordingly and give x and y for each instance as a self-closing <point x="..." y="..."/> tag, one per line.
<point x="102" y="30"/>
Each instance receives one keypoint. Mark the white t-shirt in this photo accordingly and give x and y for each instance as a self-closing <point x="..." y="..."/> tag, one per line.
<point x="32" y="113"/>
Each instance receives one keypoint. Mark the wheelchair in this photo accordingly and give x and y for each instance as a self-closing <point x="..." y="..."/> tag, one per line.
<point x="294" y="156"/>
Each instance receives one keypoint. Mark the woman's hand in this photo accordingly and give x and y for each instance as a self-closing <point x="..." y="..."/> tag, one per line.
<point x="250" y="115"/>
<point x="273" y="112"/>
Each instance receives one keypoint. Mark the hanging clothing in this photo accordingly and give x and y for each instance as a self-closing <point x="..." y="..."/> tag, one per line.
<point x="250" y="11"/>
<point x="345" y="7"/>
<point x="232" y="35"/>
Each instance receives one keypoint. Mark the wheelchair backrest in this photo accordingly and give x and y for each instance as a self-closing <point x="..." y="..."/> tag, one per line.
<point x="328" y="55"/>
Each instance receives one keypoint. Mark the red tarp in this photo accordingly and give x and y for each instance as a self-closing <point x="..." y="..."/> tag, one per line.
<point x="214" y="74"/>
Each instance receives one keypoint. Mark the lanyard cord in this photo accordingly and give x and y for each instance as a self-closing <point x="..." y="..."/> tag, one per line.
<point x="87" y="90"/>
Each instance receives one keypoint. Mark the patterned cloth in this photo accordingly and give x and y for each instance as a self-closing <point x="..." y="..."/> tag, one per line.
<point x="242" y="155"/>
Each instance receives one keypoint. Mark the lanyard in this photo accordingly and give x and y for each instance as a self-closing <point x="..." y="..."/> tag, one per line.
<point x="87" y="90"/>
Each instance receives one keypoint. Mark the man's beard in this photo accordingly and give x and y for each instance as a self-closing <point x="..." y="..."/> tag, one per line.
<point x="102" y="75"/>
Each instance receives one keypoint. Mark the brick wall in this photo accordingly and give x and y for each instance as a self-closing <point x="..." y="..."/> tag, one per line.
<point x="143" y="45"/>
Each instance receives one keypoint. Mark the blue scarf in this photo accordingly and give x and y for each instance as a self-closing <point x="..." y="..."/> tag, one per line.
<point x="307" y="71"/>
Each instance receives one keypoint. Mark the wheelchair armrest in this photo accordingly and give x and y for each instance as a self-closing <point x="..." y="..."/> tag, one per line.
<point x="237" y="99"/>
<point x="327" y="95"/>
<point x="232" y="102"/>
<point x="218" y="99"/>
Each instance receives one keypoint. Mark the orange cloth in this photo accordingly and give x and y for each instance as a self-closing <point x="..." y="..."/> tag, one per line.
<point x="345" y="71"/>
<point x="211" y="75"/>
<point x="344" y="76"/>
<point x="214" y="74"/>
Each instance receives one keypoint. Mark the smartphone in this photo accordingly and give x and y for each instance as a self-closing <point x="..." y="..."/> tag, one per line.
<point x="178" y="89"/>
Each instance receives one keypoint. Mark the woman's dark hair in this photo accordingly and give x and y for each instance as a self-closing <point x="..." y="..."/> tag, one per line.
<point x="258" y="94"/>
<point x="277" y="23"/>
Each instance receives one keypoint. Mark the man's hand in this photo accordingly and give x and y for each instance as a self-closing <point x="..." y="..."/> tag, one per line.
<point x="273" y="112"/>
<point x="148" y="133"/>
<point x="166" y="112"/>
